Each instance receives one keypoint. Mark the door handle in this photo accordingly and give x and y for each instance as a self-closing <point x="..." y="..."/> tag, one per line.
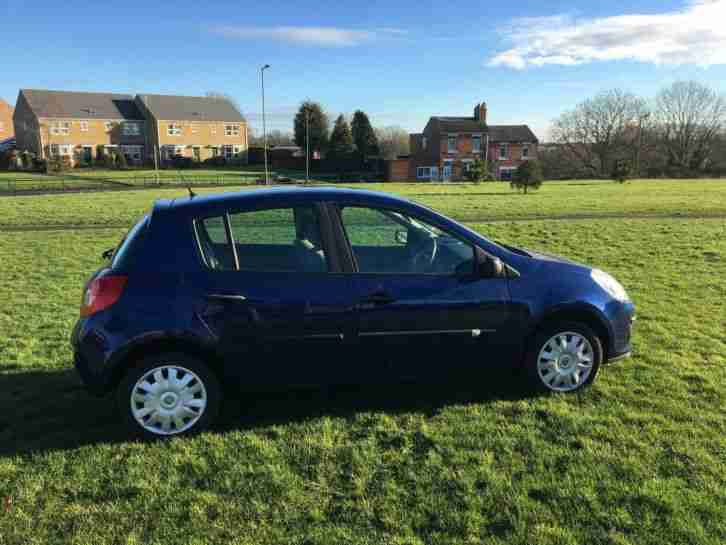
<point x="378" y="298"/>
<point x="225" y="297"/>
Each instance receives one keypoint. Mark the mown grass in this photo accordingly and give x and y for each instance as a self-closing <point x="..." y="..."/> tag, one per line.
<point x="639" y="458"/>
<point x="485" y="202"/>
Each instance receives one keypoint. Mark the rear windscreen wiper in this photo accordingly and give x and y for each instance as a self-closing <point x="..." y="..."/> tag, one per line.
<point x="108" y="253"/>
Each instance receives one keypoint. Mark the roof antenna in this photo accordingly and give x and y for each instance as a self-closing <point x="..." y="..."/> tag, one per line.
<point x="191" y="193"/>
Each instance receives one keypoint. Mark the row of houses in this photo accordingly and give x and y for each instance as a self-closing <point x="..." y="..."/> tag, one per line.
<point x="80" y="126"/>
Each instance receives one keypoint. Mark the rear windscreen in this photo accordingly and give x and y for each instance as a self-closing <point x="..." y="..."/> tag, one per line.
<point x="130" y="246"/>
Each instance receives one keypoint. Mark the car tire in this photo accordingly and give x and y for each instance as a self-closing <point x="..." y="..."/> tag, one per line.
<point x="187" y="400"/>
<point x="563" y="357"/>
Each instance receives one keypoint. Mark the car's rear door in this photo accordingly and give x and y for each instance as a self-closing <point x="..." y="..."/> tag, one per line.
<point x="419" y="314"/>
<point x="275" y="296"/>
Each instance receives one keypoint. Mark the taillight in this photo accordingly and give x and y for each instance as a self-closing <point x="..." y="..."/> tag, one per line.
<point x="102" y="293"/>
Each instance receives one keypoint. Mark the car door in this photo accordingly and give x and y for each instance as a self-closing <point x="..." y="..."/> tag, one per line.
<point x="420" y="315"/>
<point x="274" y="296"/>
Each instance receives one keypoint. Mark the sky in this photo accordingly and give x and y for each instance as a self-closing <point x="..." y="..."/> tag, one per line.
<point x="400" y="61"/>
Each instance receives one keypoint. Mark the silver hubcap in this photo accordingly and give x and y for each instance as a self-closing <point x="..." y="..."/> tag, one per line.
<point x="168" y="400"/>
<point x="565" y="361"/>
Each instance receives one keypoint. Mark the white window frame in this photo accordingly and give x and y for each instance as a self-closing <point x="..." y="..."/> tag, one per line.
<point x="132" y="152"/>
<point x="525" y="152"/>
<point x="132" y="128"/>
<point x="173" y="129"/>
<point x="213" y="129"/>
<point x="60" y="128"/>
<point x="194" y="127"/>
<point x="504" y="147"/>
<point x="423" y="173"/>
<point x="475" y="138"/>
<point x="61" y="150"/>
<point x="232" y="129"/>
<point x="510" y="170"/>
<point x="424" y="142"/>
<point x="449" y="149"/>
<point x="83" y="124"/>
<point x="228" y="152"/>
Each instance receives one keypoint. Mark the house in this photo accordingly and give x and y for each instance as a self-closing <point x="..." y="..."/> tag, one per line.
<point x="448" y="146"/>
<point x="198" y="128"/>
<point x="79" y="126"/>
<point x="7" y="130"/>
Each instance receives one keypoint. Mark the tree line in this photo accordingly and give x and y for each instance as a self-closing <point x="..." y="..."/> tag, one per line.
<point x="356" y="137"/>
<point x="679" y="133"/>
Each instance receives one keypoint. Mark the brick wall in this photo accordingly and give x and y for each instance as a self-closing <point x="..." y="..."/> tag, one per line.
<point x="397" y="170"/>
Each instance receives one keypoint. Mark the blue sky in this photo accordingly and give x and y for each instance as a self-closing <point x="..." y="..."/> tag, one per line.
<point x="401" y="61"/>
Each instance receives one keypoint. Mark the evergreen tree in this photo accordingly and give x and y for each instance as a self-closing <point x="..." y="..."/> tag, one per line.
<point x="364" y="137"/>
<point x="341" y="139"/>
<point x="527" y="176"/>
<point x="318" y="126"/>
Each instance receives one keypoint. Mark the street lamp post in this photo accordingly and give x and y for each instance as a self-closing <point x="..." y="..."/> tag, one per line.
<point x="264" y="126"/>
<point x="307" y="146"/>
<point x="640" y="140"/>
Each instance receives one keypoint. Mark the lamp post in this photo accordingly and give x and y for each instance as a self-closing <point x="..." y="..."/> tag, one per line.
<point x="264" y="126"/>
<point x="641" y="117"/>
<point x="307" y="146"/>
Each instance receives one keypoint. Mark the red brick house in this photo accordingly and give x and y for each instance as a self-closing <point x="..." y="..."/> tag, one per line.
<point x="448" y="146"/>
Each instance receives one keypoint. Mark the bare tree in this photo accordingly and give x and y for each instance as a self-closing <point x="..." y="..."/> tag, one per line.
<point x="600" y="130"/>
<point x="225" y="96"/>
<point x="690" y="118"/>
<point x="392" y="141"/>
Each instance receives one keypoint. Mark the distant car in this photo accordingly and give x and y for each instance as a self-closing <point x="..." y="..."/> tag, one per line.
<point x="276" y="288"/>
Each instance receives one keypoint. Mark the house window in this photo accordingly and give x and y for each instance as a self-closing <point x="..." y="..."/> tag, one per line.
<point x="231" y="130"/>
<point x="60" y="127"/>
<point x="506" y="173"/>
<point x="452" y="143"/>
<point x="84" y="126"/>
<point x="132" y="128"/>
<point x="525" y="151"/>
<point x="503" y="151"/>
<point x="476" y="143"/>
<point x="213" y="129"/>
<point x="108" y="125"/>
<point x="194" y="128"/>
<point x="214" y="150"/>
<point x="173" y="129"/>
<point x="424" y="142"/>
<point x="423" y="173"/>
<point x="467" y="164"/>
<point x="60" y="150"/>
<point x="132" y="153"/>
<point x="228" y="152"/>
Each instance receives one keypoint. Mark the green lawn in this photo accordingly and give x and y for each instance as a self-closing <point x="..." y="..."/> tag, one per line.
<point x="638" y="459"/>
<point x="485" y="202"/>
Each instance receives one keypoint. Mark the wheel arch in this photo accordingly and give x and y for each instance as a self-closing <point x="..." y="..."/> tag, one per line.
<point x="582" y="313"/>
<point x="158" y="345"/>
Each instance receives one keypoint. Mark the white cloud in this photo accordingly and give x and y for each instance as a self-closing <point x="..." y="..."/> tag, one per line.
<point x="309" y="36"/>
<point x="695" y="35"/>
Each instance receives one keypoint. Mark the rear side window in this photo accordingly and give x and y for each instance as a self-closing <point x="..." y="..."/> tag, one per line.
<point x="278" y="239"/>
<point x="131" y="245"/>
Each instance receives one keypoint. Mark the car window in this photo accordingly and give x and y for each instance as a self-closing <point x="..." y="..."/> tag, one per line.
<point x="279" y="239"/>
<point x="131" y="245"/>
<point x="387" y="241"/>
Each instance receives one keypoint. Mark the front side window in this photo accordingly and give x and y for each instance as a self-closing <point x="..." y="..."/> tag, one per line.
<point x="423" y="173"/>
<point x="391" y="242"/>
<point x="452" y="144"/>
<point x="503" y="151"/>
<point x="132" y="129"/>
<point x="60" y="128"/>
<point x="476" y="143"/>
<point x="280" y="239"/>
<point x="231" y="130"/>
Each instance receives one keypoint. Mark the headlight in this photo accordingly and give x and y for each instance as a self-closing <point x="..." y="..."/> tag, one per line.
<point x="609" y="284"/>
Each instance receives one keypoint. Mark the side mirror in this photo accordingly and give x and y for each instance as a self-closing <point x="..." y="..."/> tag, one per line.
<point x="488" y="266"/>
<point x="401" y="236"/>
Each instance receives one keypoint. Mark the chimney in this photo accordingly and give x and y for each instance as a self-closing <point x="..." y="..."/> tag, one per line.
<point x="482" y="113"/>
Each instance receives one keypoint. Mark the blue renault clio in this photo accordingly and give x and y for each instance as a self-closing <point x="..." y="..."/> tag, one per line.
<point x="278" y="288"/>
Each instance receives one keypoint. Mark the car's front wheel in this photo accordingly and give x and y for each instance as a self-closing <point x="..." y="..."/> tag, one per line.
<point x="564" y="357"/>
<point x="168" y="395"/>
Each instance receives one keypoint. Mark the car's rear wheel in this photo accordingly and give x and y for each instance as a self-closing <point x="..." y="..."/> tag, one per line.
<point x="169" y="395"/>
<point x="564" y="357"/>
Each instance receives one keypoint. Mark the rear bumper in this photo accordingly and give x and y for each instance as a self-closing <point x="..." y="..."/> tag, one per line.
<point x="619" y="357"/>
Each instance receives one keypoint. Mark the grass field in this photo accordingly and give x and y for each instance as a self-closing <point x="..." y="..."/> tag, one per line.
<point x="638" y="459"/>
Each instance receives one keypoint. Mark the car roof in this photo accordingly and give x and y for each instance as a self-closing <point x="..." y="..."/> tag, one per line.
<point x="213" y="201"/>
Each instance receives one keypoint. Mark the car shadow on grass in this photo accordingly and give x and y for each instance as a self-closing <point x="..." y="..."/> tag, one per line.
<point x="44" y="411"/>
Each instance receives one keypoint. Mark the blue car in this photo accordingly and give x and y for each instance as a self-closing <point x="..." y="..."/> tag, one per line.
<point x="281" y="288"/>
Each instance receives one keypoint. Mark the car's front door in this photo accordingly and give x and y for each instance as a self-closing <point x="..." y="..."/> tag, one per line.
<point x="275" y="297"/>
<point x="422" y="310"/>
